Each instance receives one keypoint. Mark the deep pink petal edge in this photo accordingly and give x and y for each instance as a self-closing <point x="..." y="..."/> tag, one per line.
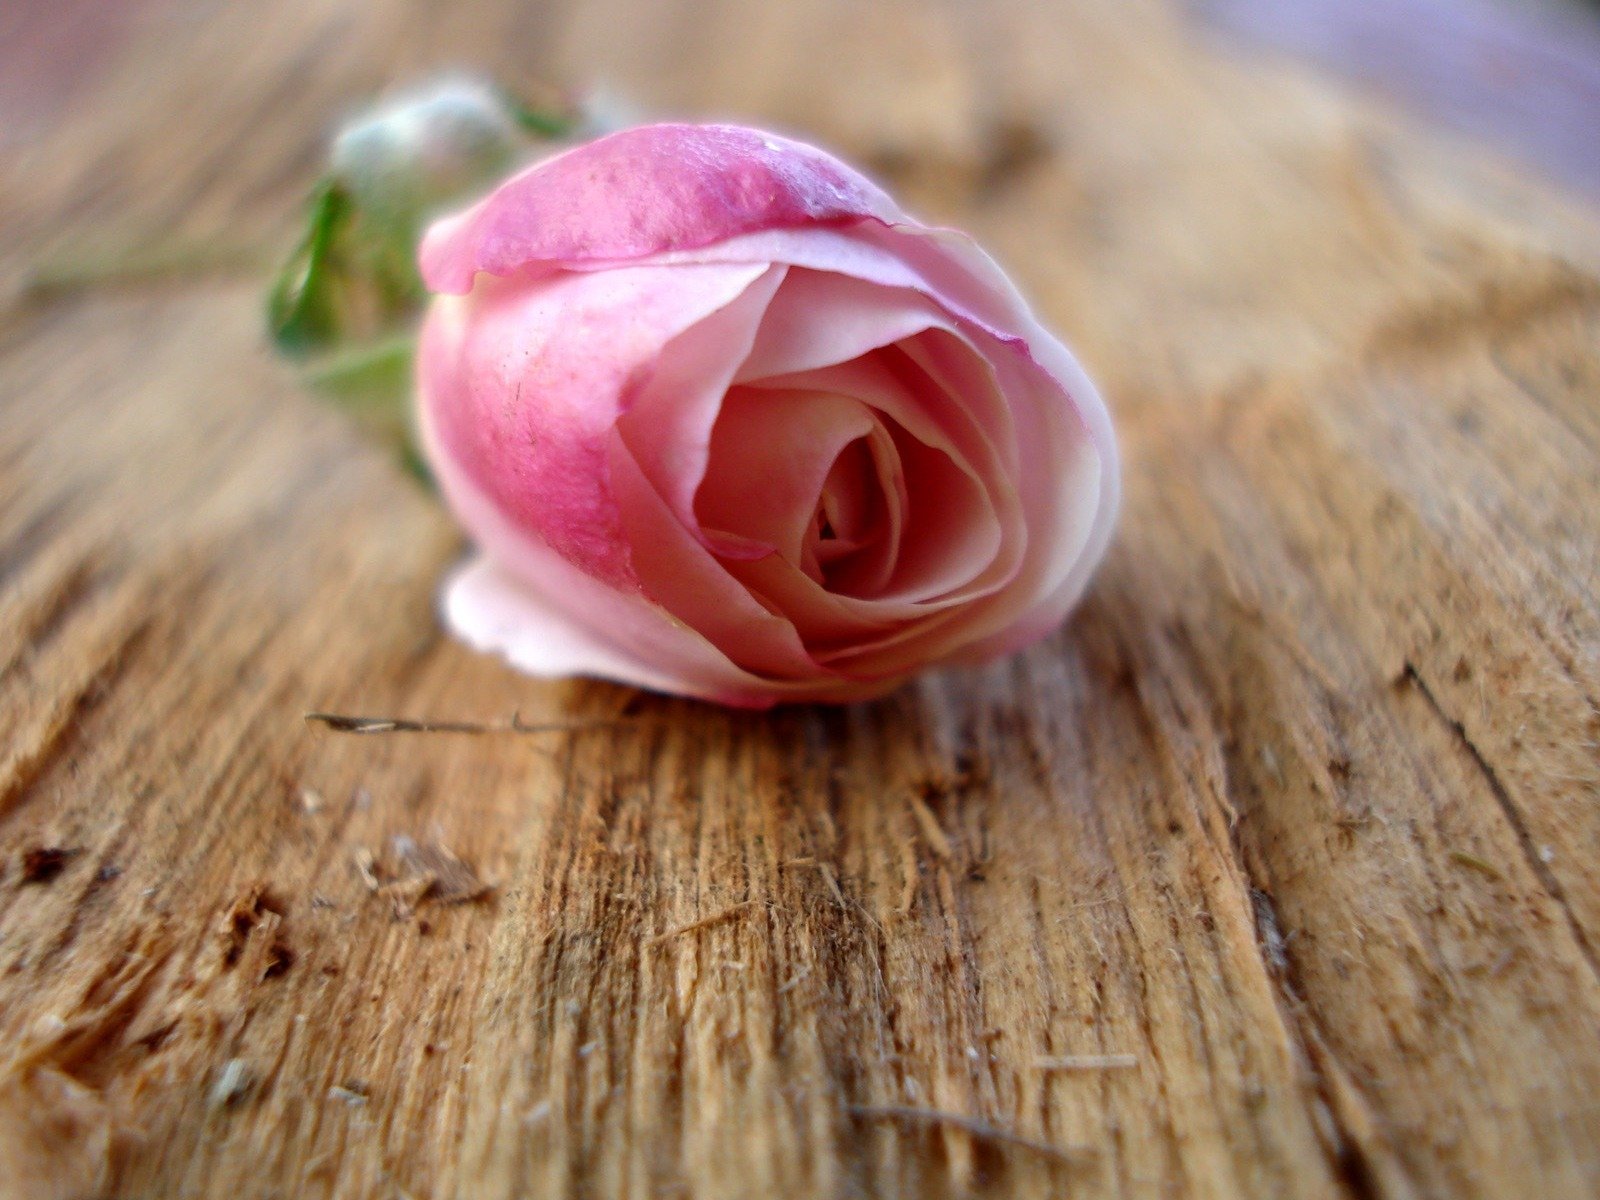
<point x="643" y="191"/>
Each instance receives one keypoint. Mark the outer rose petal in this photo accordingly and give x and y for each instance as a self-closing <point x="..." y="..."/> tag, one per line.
<point x="572" y="346"/>
<point x="643" y="191"/>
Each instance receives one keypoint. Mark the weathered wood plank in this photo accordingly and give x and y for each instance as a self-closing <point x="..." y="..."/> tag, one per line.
<point x="1297" y="814"/>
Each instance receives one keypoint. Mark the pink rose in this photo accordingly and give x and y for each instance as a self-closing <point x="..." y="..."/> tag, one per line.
<point x="725" y="422"/>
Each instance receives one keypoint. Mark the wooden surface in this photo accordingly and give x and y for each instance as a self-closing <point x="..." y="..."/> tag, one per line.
<point x="1271" y="875"/>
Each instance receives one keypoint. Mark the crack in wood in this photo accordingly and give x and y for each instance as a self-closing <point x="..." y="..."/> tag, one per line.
<point x="1513" y="816"/>
<point x="1346" y="1148"/>
<point x="61" y="731"/>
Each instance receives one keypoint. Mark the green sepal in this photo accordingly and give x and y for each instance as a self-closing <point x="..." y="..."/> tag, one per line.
<point x="372" y="383"/>
<point x="302" y="308"/>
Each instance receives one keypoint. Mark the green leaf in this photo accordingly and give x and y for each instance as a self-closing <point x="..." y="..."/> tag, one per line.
<point x="302" y="309"/>
<point x="364" y="373"/>
<point x="372" y="384"/>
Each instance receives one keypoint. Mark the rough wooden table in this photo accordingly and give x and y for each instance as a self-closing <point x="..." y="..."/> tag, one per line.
<point x="1271" y="875"/>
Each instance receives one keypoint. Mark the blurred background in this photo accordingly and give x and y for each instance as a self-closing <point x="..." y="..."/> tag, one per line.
<point x="1522" y="75"/>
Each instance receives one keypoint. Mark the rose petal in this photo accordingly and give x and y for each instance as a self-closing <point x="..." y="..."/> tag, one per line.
<point x="492" y="611"/>
<point x="954" y="529"/>
<point x="830" y="620"/>
<point x="1078" y="530"/>
<point x="771" y="453"/>
<point x="819" y="331"/>
<point x="669" y="418"/>
<point x="1063" y="423"/>
<point x="677" y="572"/>
<point x="821" y="318"/>
<point x="524" y="383"/>
<point x="863" y="560"/>
<point x="644" y="191"/>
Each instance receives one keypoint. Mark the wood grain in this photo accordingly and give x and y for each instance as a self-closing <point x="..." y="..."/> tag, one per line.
<point x="1270" y="875"/>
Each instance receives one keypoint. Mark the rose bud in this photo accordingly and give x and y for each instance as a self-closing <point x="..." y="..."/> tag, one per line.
<point x="723" y="421"/>
<point x="424" y="148"/>
<point x="351" y="285"/>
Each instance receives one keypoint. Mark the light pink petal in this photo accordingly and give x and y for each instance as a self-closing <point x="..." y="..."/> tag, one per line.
<point x="843" y="249"/>
<point x="677" y="572"/>
<point x="820" y="318"/>
<point x="772" y="451"/>
<point x="1078" y="532"/>
<point x="866" y="567"/>
<point x="852" y="513"/>
<point x="524" y="382"/>
<point x="952" y="531"/>
<point x="959" y="514"/>
<point x="493" y="611"/>
<point x="1087" y="477"/>
<point x="1062" y="492"/>
<point x="667" y="425"/>
<point x="645" y="191"/>
<point x="820" y="330"/>
<point x="830" y="620"/>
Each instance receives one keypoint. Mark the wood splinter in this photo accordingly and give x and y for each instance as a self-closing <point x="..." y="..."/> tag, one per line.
<point x="715" y="918"/>
<point x="347" y="723"/>
<point x="908" y="1114"/>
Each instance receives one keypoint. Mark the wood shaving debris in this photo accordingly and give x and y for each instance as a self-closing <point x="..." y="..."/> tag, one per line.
<point x="367" y="867"/>
<point x="418" y="872"/>
<point x="832" y="877"/>
<point x="454" y="882"/>
<point x="910" y="878"/>
<point x="234" y="1082"/>
<point x="1472" y="862"/>
<point x="704" y="922"/>
<point x="932" y="831"/>
<point x="280" y="957"/>
<point x="257" y="907"/>
<point x="794" y="981"/>
<point x="352" y="1092"/>
<point x="406" y="894"/>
